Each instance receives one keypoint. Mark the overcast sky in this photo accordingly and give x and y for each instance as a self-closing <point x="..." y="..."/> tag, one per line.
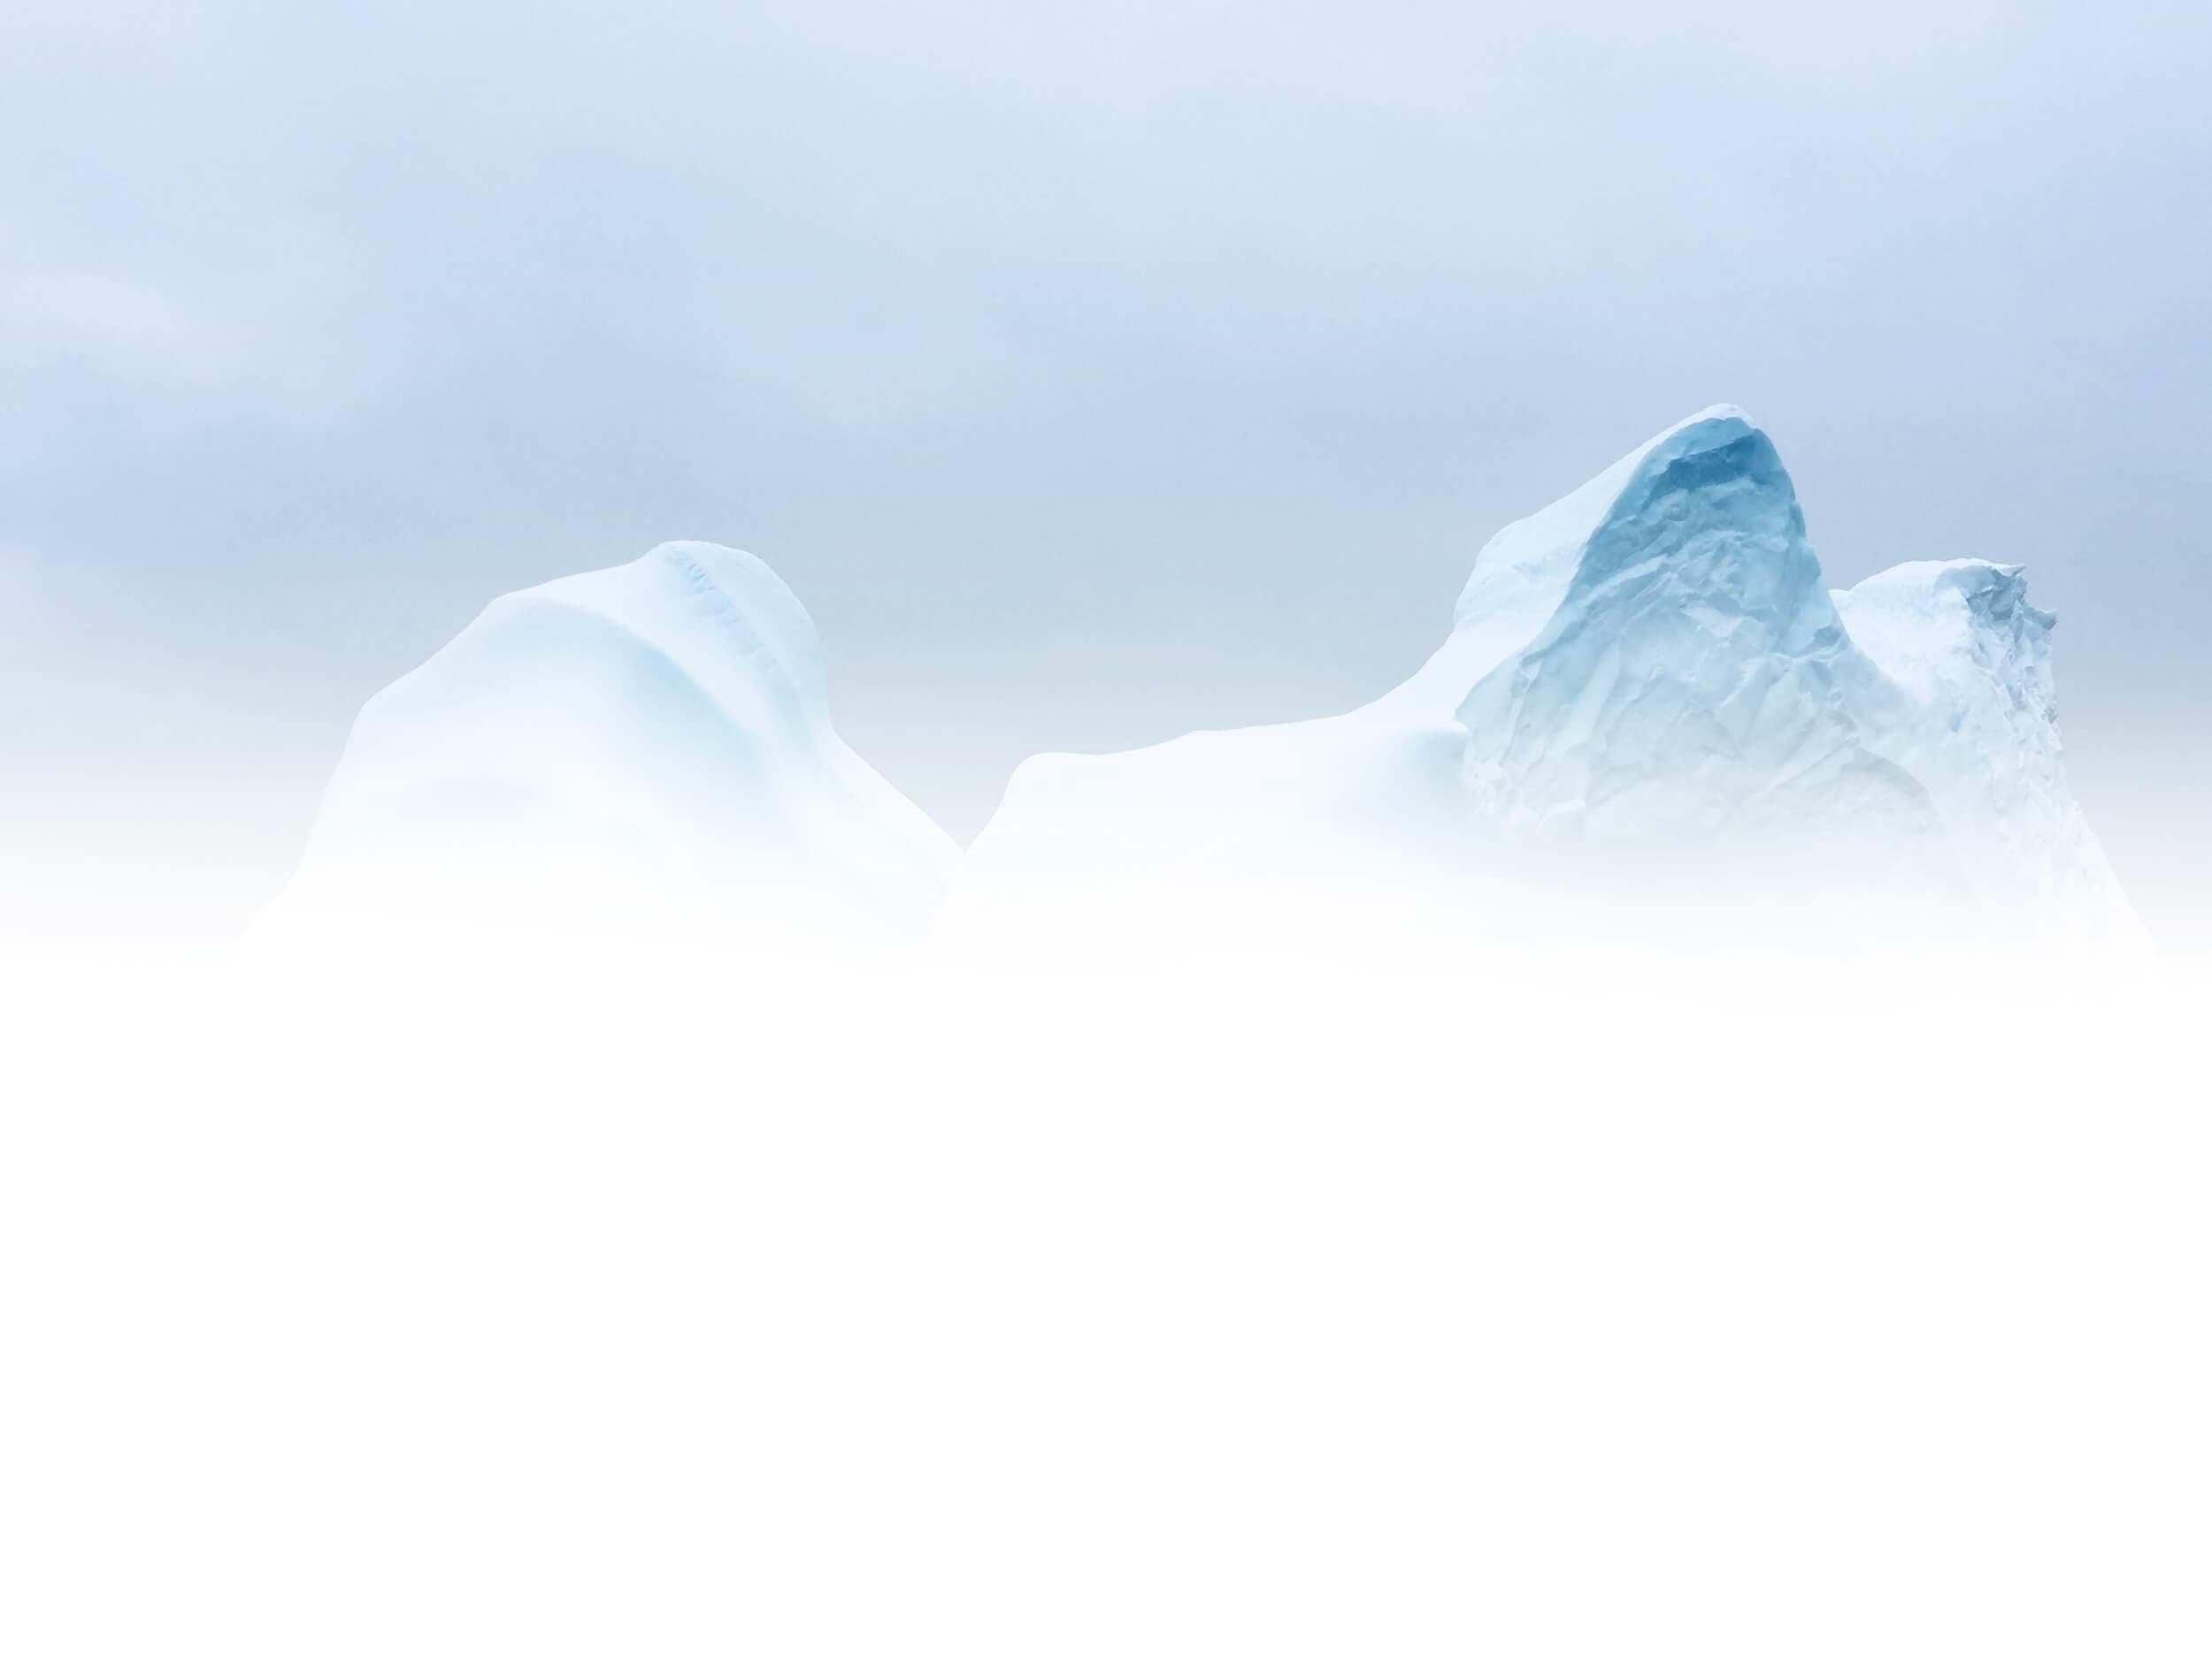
<point x="1093" y="374"/>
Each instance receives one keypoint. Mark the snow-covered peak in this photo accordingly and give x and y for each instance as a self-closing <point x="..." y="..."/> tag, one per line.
<point x="1532" y="559"/>
<point x="1693" y="678"/>
<point x="1523" y="573"/>
<point x="649" y="744"/>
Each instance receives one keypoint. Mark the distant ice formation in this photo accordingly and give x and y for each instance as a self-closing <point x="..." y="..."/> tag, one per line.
<point x="1651" y="719"/>
<point x="645" y="746"/>
<point x="1649" y="707"/>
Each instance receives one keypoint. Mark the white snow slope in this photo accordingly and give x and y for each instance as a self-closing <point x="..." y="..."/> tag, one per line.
<point x="645" y="745"/>
<point x="1647" y="689"/>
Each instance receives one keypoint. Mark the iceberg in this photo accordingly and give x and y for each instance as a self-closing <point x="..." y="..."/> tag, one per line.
<point x="1650" y="720"/>
<point x="648" y="746"/>
<point x="1649" y="702"/>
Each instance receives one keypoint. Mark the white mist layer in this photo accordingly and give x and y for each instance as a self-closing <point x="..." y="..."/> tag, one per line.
<point x="588" y="1298"/>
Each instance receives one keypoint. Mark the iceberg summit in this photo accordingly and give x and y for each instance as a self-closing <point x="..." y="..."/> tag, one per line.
<point x="1650" y="715"/>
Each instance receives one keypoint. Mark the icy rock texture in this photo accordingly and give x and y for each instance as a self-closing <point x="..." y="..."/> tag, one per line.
<point x="649" y="744"/>
<point x="1978" y="724"/>
<point x="1695" y="679"/>
<point x="1646" y="682"/>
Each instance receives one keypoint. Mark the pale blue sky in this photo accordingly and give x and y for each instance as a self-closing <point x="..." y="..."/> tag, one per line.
<point x="1092" y="372"/>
